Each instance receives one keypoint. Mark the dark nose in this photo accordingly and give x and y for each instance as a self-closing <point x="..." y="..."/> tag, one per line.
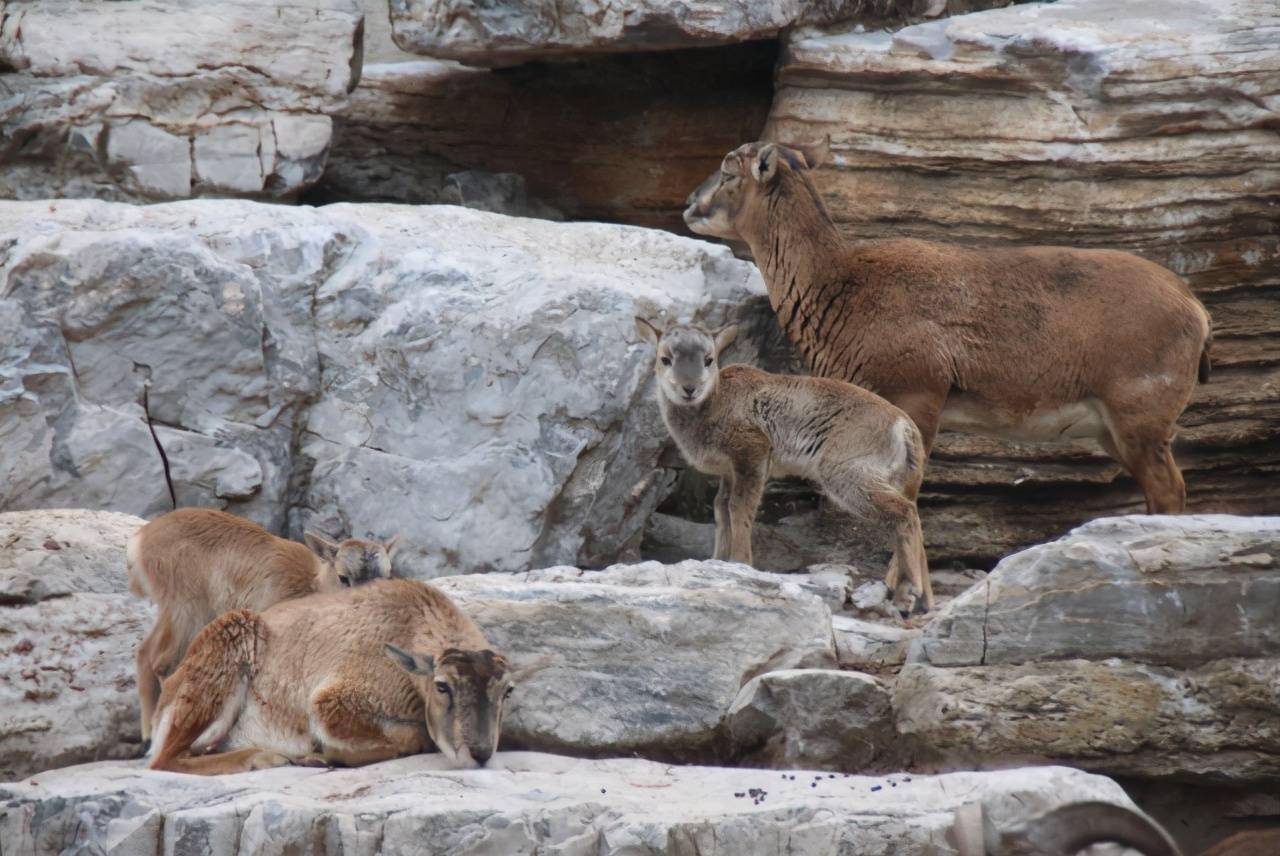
<point x="690" y="390"/>
<point x="481" y="756"/>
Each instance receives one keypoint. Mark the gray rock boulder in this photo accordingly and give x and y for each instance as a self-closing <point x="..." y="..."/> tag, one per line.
<point x="165" y="99"/>
<point x="507" y="31"/>
<point x="1219" y="721"/>
<point x="644" y="658"/>
<point x="67" y="637"/>
<point x="823" y="719"/>
<point x="468" y="380"/>
<point x="533" y="803"/>
<point x="1176" y="591"/>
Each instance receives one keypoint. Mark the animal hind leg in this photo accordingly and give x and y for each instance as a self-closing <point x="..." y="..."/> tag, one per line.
<point x="155" y="649"/>
<point x="908" y="548"/>
<point x="723" y="518"/>
<point x="1148" y="457"/>
<point x="201" y="701"/>
<point x="354" y="731"/>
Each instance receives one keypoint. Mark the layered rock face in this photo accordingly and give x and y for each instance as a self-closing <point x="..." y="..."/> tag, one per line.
<point x="160" y="100"/>
<point x="471" y="381"/>
<point x="68" y="629"/>
<point x="531" y="803"/>
<point x="1076" y="123"/>
<point x="507" y="31"/>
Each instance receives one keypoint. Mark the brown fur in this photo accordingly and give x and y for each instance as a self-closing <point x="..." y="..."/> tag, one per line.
<point x="1031" y="343"/>
<point x="347" y="677"/>
<point x="742" y="424"/>
<point x="1064" y="830"/>
<point x="197" y="563"/>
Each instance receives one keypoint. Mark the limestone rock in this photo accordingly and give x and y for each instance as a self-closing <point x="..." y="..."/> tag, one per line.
<point x="508" y="31"/>
<point x="1220" y="721"/>
<point x="1077" y="123"/>
<point x="48" y="554"/>
<point x="871" y="645"/>
<point x="644" y="658"/>
<point x="820" y="718"/>
<point x="468" y="380"/>
<point x="1176" y="590"/>
<point x="533" y="803"/>
<point x="67" y="637"/>
<point x="164" y="99"/>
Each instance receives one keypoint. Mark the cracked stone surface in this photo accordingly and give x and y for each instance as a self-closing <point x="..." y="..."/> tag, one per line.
<point x="468" y="380"/>
<point x="165" y="99"/>
<point x="643" y="658"/>
<point x="508" y="31"/>
<point x="534" y="803"/>
<point x="68" y="629"/>
<point x="1219" y="721"/>
<point x="1168" y="590"/>
<point x="1144" y="126"/>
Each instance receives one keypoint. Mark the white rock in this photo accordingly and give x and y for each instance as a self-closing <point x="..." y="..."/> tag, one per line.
<point x="821" y="718"/>
<point x="469" y="380"/>
<point x="537" y="804"/>
<point x="181" y="97"/>
<point x="48" y="554"/>
<point x="645" y="658"/>
<point x="871" y="644"/>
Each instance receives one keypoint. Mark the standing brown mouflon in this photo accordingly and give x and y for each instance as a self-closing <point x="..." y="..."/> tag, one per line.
<point x="743" y="425"/>
<point x="197" y="563"/>
<point x="348" y="677"/>
<point x="1031" y="343"/>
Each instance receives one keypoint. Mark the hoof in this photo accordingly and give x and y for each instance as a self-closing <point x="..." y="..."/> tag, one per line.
<point x="906" y="600"/>
<point x="269" y="760"/>
<point x="313" y="759"/>
<point x="144" y="748"/>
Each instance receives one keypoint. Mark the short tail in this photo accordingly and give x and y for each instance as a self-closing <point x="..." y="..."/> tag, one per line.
<point x="1206" y="364"/>
<point x="202" y="700"/>
<point x="133" y="566"/>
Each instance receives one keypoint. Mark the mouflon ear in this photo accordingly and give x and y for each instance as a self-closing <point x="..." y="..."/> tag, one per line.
<point x="531" y="668"/>
<point x="815" y="154"/>
<point x="320" y="545"/>
<point x="414" y="664"/>
<point x="392" y="545"/>
<point x="764" y="169"/>
<point x="725" y="336"/>
<point x="647" y="331"/>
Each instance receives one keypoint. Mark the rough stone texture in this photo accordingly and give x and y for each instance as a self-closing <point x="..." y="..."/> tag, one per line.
<point x="620" y="139"/>
<point x="67" y="635"/>
<point x="539" y="803"/>
<point x="165" y="99"/>
<point x="1176" y="591"/>
<point x="820" y="718"/>
<point x="511" y="31"/>
<point x="469" y="380"/>
<point x="643" y="658"/>
<point x="871" y="645"/>
<point x="48" y="554"/>
<point x="1084" y="123"/>
<point x="1219" y="721"/>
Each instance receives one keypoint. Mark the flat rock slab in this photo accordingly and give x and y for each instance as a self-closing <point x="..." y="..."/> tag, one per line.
<point x="1172" y="590"/>
<point x="537" y="803"/>
<point x="508" y="31"/>
<point x="1219" y="721"/>
<point x="53" y="553"/>
<point x="643" y="658"/>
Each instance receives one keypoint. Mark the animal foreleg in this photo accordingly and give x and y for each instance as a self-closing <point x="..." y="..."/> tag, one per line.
<point x="744" y="500"/>
<point x="723" y="518"/>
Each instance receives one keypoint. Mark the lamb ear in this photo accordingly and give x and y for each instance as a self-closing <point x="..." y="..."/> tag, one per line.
<point x="320" y="545"/>
<point x="725" y="336"/>
<point x="414" y="664"/>
<point x="815" y="154"/>
<point x="647" y="331"/>
<point x="764" y="168"/>
<point x="392" y="545"/>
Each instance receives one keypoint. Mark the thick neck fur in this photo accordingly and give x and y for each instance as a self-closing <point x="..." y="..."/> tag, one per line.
<point x="797" y="248"/>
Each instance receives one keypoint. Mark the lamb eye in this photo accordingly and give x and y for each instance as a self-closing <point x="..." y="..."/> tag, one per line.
<point x="344" y="579"/>
<point x="666" y="361"/>
<point x="442" y="687"/>
<point x="509" y="691"/>
<point x="708" y="361"/>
